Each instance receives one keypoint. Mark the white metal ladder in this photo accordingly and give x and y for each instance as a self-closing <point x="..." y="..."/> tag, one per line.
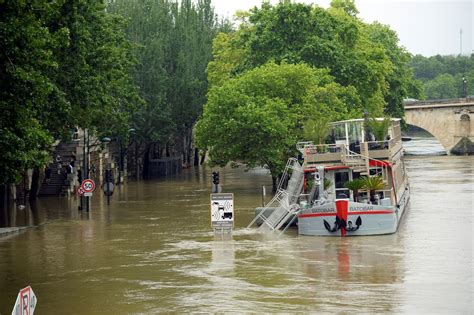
<point x="284" y="202"/>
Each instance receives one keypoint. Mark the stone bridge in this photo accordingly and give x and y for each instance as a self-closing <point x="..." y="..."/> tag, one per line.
<point x="450" y="121"/>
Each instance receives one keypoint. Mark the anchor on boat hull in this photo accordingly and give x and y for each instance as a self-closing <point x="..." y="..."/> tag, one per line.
<point x="341" y="223"/>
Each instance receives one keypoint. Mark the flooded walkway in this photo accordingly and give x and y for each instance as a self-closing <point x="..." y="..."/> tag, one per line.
<point x="152" y="250"/>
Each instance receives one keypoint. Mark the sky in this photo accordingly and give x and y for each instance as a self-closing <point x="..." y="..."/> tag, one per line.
<point x="425" y="27"/>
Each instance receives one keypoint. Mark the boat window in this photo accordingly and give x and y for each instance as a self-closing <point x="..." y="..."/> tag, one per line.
<point x="340" y="179"/>
<point x="340" y="133"/>
<point x="355" y="131"/>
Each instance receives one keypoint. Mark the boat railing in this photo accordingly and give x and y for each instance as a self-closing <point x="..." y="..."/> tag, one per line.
<point x="309" y="148"/>
<point x="386" y="193"/>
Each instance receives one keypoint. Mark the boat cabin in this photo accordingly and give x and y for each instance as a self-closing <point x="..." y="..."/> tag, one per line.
<point x="352" y="151"/>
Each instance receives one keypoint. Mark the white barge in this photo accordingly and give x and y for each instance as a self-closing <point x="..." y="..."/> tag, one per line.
<point x="350" y="187"/>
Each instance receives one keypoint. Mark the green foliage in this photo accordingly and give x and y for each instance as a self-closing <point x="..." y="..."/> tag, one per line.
<point x="25" y="88"/>
<point x="372" y="183"/>
<point x="356" y="184"/>
<point x="400" y="81"/>
<point x="347" y="6"/>
<point x="379" y="128"/>
<point x="316" y="130"/>
<point x="442" y="86"/>
<point x="327" y="184"/>
<point x="256" y="118"/>
<point x="173" y="47"/>
<point x="364" y="57"/>
<point x="95" y="66"/>
<point x="442" y="76"/>
<point x="62" y="64"/>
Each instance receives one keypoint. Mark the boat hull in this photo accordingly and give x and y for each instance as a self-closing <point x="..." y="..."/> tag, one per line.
<point x="326" y="220"/>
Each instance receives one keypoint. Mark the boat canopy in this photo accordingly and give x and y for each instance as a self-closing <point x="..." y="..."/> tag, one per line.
<point x="350" y="132"/>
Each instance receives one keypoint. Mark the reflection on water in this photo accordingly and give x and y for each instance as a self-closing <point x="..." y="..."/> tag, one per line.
<point x="152" y="250"/>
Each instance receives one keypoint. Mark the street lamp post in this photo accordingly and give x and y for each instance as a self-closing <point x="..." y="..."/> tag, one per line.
<point x="464" y="86"/>
<point x="85" y="169"/>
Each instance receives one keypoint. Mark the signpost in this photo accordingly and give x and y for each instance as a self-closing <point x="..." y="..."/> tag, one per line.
<point x="25" y="302"/>
<point x="88" y="187"/>
<point x="222" y="212"/>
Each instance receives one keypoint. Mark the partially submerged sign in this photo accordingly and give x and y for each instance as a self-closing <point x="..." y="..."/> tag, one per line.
<point x="25" y="302"/>
<point x="88" y="186"/>
<point x="222" y="211"/>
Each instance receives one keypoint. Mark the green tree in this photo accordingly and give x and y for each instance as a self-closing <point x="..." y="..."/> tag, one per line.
<point x="400" y="81"/>
<point x="438" y="72"/>
<point x="256" y="118"/>
<point x="25" y="88"/>
<point x="443" y="86"/>
<point x="173" y="46"/>
<point x="95" y="66"/>
<point x="366" y="57"/>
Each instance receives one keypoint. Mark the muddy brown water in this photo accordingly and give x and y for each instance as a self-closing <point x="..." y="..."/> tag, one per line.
<point x="152" y="251"/>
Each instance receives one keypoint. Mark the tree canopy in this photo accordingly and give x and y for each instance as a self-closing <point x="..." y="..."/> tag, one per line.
<point x="444" y="76"/>
<point x="62" y="64"/>
<point x="173" y="43"/>
<point x="350" y="67"/>
<point x="258" y="116"/>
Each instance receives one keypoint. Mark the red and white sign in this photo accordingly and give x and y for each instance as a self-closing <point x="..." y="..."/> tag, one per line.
<point x="80" y="191"/>
<point x="25" y="302"/>
<point x="88" y="185"/>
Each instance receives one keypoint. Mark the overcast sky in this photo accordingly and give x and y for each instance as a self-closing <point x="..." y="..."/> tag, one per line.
<point x="426" y="27"/>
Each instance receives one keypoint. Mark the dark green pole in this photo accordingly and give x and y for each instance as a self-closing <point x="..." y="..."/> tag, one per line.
<point x="86" y="168"/>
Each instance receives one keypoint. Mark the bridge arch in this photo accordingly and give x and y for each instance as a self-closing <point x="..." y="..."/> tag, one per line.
<point x="449" y="121"/>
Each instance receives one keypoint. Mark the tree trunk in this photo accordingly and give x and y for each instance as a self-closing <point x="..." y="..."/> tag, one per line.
<point x="146" y="162"/>
<point x="203" y="158"/>
<point x="274" y="183"/>
<point x="35" y="184"/>
<point x="372" y="196"/>
<point x="196" y="157"/>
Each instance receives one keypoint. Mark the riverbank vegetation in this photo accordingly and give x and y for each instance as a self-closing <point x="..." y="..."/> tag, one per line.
<point x="445" y="76"/>
<point x="290" y="64"/>
<point x="141" y="72"/>
<point x="130" y="66"/>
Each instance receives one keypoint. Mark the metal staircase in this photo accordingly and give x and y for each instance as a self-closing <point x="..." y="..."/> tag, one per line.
<point x="283" y="203"/>
<point x="361" y="164"/>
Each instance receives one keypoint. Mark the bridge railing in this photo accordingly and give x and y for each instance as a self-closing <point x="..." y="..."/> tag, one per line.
<point x="409" y="103"/>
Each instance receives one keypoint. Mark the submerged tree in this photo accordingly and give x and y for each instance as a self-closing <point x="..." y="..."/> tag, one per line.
<point x="256" y="118"/>
<point x="173" y="47"/>
<point x="352" y="61"/>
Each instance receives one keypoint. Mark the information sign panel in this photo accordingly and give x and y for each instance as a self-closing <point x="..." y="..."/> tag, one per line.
<point x="222" y="211"/>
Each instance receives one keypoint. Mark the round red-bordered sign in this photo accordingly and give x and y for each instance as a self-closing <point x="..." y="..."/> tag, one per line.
<point x="88" y="185"/>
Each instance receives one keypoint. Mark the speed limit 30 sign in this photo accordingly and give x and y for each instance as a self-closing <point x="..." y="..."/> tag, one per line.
<point x="88" y="185"/>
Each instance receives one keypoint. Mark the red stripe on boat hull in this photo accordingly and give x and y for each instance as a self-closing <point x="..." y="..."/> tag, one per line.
<point x="309" y="215"/>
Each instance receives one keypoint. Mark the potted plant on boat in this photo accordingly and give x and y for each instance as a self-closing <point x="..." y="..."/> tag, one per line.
<point x="355" y="185"/>
<point x="317" y="130"/>
<point x="372" y="183"/>
<point x="379" y="128"/>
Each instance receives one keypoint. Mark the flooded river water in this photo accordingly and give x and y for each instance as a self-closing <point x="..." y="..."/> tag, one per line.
<point x="152" y="251"/>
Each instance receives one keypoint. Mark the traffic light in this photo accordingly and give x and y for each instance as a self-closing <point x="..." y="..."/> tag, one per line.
<point x="215" y="178"/>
